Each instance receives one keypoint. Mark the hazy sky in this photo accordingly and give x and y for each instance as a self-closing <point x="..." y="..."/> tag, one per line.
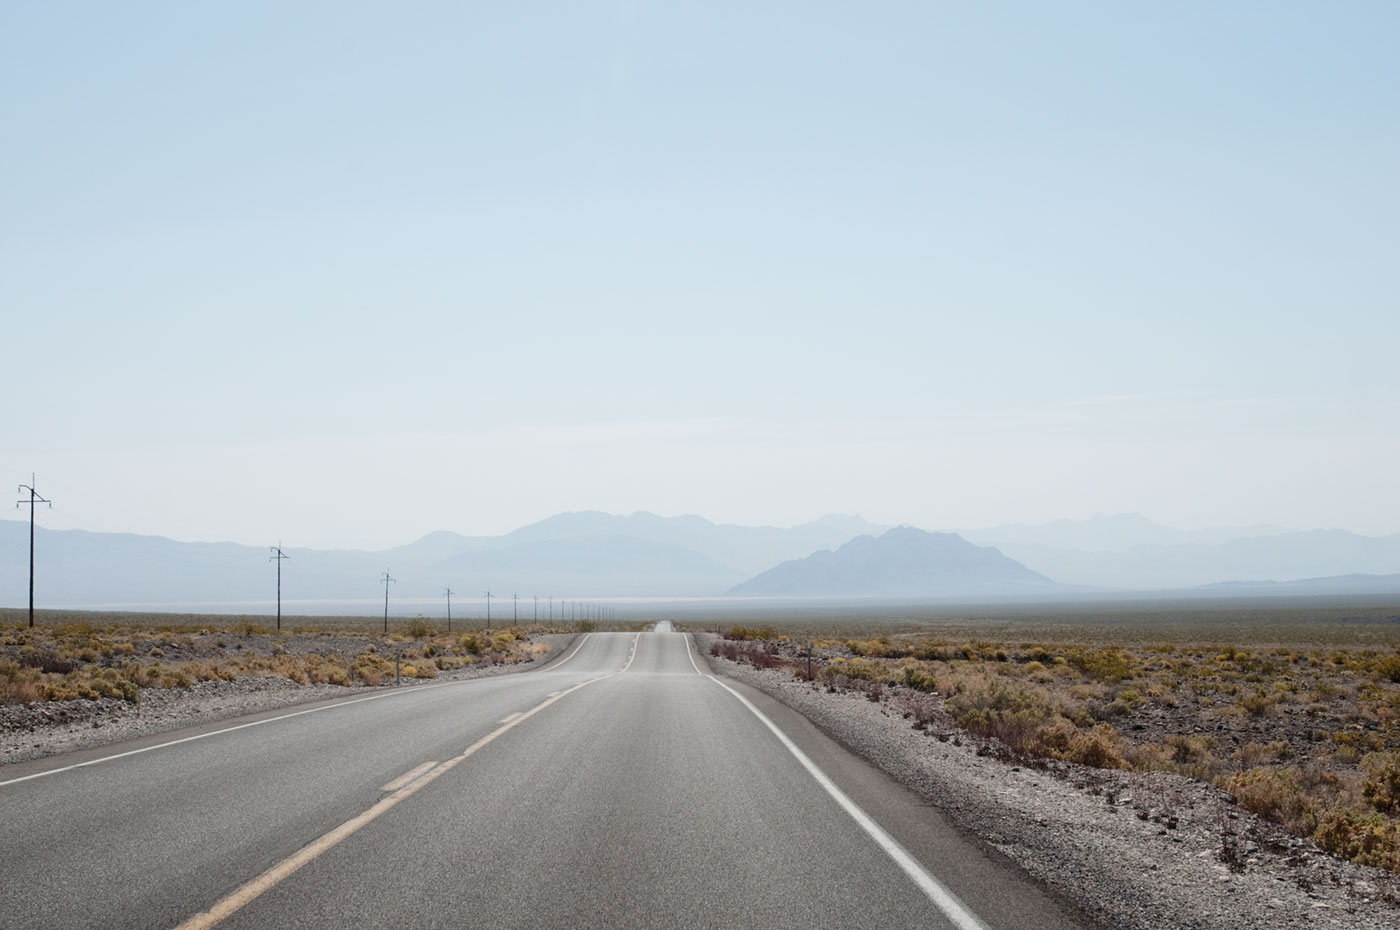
<point x="342" y="274"/>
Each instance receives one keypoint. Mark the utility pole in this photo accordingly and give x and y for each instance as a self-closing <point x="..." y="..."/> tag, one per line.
<point x="386" y="581"/>
<point x="515" y="608"/>
<point x="537" y="607"/>
<point x="278" y="557"/>
<point x="488" y="606"/>
<point x="448" y="592"/>
<point x="33" y="499"/>
<point x="551" y="608"/>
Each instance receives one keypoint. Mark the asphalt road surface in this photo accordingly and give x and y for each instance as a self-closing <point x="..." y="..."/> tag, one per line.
<point x="620" y="786"/>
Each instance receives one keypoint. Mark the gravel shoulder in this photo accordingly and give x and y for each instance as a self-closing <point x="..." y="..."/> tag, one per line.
<point x="1152" y="851"/>
<point x="37" y="730"/>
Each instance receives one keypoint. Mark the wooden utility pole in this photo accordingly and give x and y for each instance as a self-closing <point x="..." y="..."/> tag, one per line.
<point x="448" y="592"/>
<point x="33" y="499"/>
<point x="386" y="581"/>
<point x="278" y="557"/>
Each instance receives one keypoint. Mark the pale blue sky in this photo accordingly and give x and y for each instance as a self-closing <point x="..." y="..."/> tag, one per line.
<point x="347" y="273"/>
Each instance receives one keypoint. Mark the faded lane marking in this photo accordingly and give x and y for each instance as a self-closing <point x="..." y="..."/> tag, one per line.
<point x="509" y="717"/>
<point x="251" y="890"/>
<point x="923" y="879"/>
<point x="408" y="776"/>
<point x="635" y="640"/>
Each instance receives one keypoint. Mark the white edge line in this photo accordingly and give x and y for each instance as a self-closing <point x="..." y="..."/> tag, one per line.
<point x="509" y="717"/>
<point x="691" y="657"/>
<point x="408" y="776"/>
<point x="241" y="726"/>
<point x="566" y="658"/>
<point x="945" y="900"/>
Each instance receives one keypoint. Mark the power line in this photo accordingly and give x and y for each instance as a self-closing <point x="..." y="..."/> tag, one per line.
<point x="33" y="499"/>
<point x="488" y="606"/>
<point x="280" y="555"/>
<point x="448" y="592"/>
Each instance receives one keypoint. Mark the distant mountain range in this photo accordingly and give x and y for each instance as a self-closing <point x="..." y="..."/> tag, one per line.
<point x="592" y="554"/>
<point x="1130" y="552"/>
<point x="902" y="562"/>
<point x="1108" y="533"/>
<point x="586" y="554"/>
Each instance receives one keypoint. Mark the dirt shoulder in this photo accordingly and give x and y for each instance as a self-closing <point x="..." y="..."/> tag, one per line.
<point x="1135" y="850"/>
<point x="45" y="728"/>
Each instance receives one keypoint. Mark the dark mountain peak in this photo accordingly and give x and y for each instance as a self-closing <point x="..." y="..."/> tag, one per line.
<point x="901" y="562"/>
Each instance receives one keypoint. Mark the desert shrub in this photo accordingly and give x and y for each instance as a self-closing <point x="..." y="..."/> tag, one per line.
<point x="1107" y="665"/>
<point x="1381" y="786"/>
<point x="923" y="709"/>
<point x="469" y="644"/>
<point x="1274" y="794"/>
<point x="1009" y="713"/>
<point x="1388" y="669"/>
<point x="864" y="669"/>
<point x="880" y="648"/>
<point x="1251" y="755"/>
<point x="755" y="653"/>
<point x="917" y="678"/>
<point x="418" y="628"/>
<point x="18" y="685"/>
<point x="1260" y="704"/>
<point x="1100" y="748"/>
<point x="744" y="633"/>
<point x="1365" y="838"/>
<point x="422" y="670"/>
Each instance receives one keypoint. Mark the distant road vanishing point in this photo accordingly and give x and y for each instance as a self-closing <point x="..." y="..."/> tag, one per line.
<point x="620" y="786"/>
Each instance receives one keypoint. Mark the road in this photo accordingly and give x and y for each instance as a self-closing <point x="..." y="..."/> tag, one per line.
<point x="620" y="786"/>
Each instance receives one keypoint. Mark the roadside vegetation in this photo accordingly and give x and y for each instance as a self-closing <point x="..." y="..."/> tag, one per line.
<point x="116" y="656"/>
<point x="1304" y="734"/>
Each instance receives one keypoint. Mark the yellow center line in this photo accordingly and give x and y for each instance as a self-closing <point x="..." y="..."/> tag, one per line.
<point x="408" y="776"/>
<point x="253" y="889"/>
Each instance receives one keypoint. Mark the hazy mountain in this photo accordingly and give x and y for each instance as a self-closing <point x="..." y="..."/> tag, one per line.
<point x="591" y="566"/>
<point x="902" y="562"/>
<point x="1106" y="533"/>
<point x="567" y="555"/>
<point x="1281" y="557"/>
<point x="746" y="550"/>
<point x="597" y="554"/>
<point x="1333" y="585"/>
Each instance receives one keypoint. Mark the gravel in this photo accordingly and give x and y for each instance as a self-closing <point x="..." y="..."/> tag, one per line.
<point x="32" y="731"/>
<point x="1153" y="851"/>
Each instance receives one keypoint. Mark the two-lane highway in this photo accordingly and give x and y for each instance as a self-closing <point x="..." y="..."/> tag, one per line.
<point x="619" y="786"/>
